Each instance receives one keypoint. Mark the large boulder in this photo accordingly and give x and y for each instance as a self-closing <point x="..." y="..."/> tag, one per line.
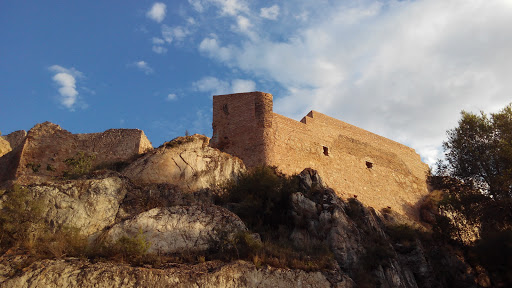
<point x="89" y="205"/>
<point x="180" y="228"/>
<point x="187" y="162"/>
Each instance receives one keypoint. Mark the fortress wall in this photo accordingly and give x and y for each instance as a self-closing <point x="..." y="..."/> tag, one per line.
<point x="298" y="145"/>
<point x="245" y="126"/>
<point x="114" y="144"/>
<point x="240" y="123"/>
<point x="47" y="146"/>
<point x="406" y="154"/>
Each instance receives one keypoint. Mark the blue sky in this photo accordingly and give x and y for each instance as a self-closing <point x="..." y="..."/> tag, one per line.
<point x="401" y="69"/>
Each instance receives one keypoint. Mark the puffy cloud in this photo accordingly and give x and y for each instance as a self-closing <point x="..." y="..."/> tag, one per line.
<point x="197" y="5"/>
<point x="231" y="7"/>
<point x="240" y="85"/>
<point x="171" y="97"/>
<point x="403" y="70"/>
<point x="159" y="49"/>
<point x="66" y="79"/>
<point x="177" y="33"/>
<point x="226" y="7"/>
<point x="157" y="12"/>
<point x="143" y="66"/>
<point x="210" y="47"/>
<point x="158" y="41"/>
<point x="217" y="87"/>
<point x="270" y="12"/>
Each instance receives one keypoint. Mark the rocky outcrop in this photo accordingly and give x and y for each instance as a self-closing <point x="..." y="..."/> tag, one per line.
<point x="78" y="273"/>
<point x="353" y="232"/>
<point x="180" y="228"/>
<point x="187" y="162"/>
<point x="89" y="205"/>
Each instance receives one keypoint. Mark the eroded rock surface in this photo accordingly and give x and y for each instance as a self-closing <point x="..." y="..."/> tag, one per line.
<point x="77" y="273"/>
<point x="89" y="205"/>
<point x="180" y="228"/>
<point x="187" y="162"/>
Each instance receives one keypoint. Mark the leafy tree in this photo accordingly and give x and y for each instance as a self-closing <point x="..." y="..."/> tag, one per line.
<point x="479" y="150"/>
<point x="479" y="192"/>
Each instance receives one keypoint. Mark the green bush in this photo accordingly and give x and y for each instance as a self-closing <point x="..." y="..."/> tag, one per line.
<point x="261" y="198"/>
<point x="79" y="165"/>
<point x="20" y="219"/>
<point x="35" y="167"/>
<point x="132" y="246"/>
<point x="127" y="248"/>
<point x="65" y="242"/>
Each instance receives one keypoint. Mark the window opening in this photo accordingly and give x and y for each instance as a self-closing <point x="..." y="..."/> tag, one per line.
<point x="225" y="109"/>
<point x="326" y="151"/>
<point x="369" y="165"/>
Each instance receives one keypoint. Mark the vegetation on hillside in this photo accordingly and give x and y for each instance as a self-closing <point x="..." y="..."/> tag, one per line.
<point x="477" y="180"/>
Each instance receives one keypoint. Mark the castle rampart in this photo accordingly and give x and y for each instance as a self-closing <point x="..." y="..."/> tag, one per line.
<point x="381" y="172"/>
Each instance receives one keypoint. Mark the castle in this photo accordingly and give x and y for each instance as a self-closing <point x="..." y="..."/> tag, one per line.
<point x="380" y="172"/>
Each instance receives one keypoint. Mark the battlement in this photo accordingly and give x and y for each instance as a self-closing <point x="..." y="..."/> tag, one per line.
<point x="353" y="161"/>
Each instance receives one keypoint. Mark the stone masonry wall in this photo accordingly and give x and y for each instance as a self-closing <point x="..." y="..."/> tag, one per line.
<point x="43" y="152"/>
<point x="380" y="172"/>
<point x="240" y="124"/>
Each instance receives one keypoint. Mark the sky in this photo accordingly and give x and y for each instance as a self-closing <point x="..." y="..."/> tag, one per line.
<point x="400" y="69"/>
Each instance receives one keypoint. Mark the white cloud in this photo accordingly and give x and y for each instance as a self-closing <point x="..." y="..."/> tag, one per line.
<point x="403" y="70"/>
<point x="143" y="66"/>
<point x="231" y="7"/>
<point x="226" y="7"/>
<point x="210" y="47"/>
<point x="159" y="49"/>
<point x="157" y="12"/>
<point x="177" y="33"/>
<point x="66" y="79"/>
<point x="217" y="87"/>
<point x="270" y="12"/>
<point x="171" y="97"/>
<point x="240" y="85"/>
<point x="197" y="5"/>
<point x="158" y="41"/>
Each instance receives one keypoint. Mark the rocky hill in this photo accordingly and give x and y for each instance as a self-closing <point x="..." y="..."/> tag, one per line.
<point x="187" y="215"/>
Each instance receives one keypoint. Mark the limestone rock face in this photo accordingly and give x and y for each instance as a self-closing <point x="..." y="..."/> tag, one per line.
<point x="77" y="273"/>
<point x="345" y="227"/>
<point x="187" y="162"/>
<point x="89" y="205"/>
<point x="180" y="228"/>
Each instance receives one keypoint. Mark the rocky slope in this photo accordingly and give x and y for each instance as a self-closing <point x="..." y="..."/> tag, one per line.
<point x="79" y="273"/>
<point x="168" y="196"/>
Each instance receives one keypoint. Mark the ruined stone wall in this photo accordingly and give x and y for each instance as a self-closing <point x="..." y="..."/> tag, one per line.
<point x="43" y="152"/>
<point x="353" y="161"/>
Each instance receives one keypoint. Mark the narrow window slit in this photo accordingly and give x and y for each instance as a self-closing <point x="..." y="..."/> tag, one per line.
<point x="326" y="151"/>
